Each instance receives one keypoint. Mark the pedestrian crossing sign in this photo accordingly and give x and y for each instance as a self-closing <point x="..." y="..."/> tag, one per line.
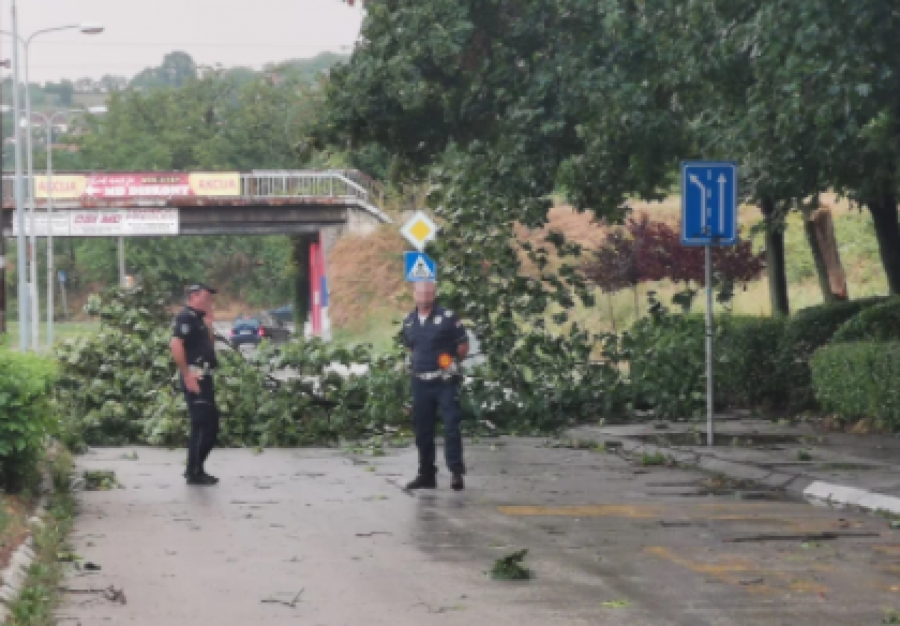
<point x="419" y="267"/>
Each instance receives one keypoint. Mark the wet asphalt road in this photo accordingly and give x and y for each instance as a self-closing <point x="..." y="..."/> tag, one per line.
<point x="313" y="536"/>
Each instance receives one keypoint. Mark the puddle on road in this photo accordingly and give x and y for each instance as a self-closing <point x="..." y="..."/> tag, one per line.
<point x="750" y="440"/>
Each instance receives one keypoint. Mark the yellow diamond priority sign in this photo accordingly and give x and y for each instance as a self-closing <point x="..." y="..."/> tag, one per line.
<point x="419" y="230"/>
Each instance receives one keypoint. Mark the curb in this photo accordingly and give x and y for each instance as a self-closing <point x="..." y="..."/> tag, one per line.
<point x="813" y="490"/>
<point x="833" y="493"/>
<point x="15" y="575"/>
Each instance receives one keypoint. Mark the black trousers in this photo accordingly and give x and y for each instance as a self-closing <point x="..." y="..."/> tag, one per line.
<point x="428" y="397"/>
<point x="204" y="416"/>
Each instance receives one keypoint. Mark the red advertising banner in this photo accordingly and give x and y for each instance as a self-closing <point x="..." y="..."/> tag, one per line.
<point x="162" y="184"/>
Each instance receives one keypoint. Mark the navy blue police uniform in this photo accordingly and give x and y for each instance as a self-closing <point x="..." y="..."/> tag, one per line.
<point x="204" y="414"/>
<point x="441" y="333"/>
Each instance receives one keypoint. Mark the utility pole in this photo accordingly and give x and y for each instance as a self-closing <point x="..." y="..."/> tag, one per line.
<point x="19" y="193"/>
<point x="2" y="237"/>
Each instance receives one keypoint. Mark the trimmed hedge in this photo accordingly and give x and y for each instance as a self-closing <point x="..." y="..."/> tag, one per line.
<point x="748" y="351"/>
<point x="857" y="380"/>
<point x="667" y="363"/>
<point x="806" y="332"/>
<point x="878" y="323"/>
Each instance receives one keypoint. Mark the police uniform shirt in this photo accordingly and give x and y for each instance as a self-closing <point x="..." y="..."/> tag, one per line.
<point x="441" y="333"/>
<point x="198" y="345"/>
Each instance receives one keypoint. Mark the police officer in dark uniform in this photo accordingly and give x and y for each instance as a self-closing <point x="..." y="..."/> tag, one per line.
<point x="437" y="340"/>
<point x="193" y="349"/>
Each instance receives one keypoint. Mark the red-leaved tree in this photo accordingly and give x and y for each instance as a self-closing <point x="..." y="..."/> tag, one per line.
<point x="649" y="251"/>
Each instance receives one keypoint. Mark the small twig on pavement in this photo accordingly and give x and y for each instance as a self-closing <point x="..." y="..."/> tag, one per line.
<point x="292" y="604"/>
<point x="373" y="533"/>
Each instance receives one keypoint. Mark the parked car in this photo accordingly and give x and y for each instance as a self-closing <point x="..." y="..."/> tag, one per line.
<point x="246" y="331"/>
<point x="284" y="314"/>
<point x="252" y="330"/>
<point x="273" y="328"/>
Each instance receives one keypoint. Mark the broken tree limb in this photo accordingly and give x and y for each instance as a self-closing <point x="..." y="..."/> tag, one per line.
<point x="799" y="537"/>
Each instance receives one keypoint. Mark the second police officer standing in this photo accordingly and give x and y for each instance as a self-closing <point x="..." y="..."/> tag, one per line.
<point x="193" y="350"/>
<point x="437" y="340"/>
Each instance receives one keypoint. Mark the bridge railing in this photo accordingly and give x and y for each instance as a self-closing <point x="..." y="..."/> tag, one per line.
<point x="277" y="184"/>
<point x="316" y="184"/>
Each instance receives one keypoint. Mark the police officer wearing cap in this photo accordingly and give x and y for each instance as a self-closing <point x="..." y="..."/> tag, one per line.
<point x="193" y="349"/>
<point x="437" y="341"/>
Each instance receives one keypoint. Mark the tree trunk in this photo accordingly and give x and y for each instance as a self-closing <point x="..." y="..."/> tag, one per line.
<point x="887" y="231"/>
<point x="612" y="312"/>
<point x="809" y="228"/>
<point x="300" y="259"/>
<point x="775" y="263"/>
<point x="824" y="227"/>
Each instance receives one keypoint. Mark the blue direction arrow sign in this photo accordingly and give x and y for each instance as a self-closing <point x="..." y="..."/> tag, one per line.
<point x="709" y="203"/>
<point x="419" y="267"/>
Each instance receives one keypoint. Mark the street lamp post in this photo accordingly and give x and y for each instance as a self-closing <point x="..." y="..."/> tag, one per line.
<point x="88" y="29"/>
<point x="19" y="191"/>
<point x="48" y="122"/>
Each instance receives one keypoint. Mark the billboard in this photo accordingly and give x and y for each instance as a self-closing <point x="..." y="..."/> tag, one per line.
<point x="105" y="223"/>
<point x="139" y="185"/>
<point x="65" y="187"/>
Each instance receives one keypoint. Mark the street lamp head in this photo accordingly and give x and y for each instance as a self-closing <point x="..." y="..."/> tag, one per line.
<point x="91" y="28"/>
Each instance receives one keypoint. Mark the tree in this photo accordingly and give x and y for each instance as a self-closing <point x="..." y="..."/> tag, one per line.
<point x="176" y="69"/>
<point x="647" y="251"/>
<point x="822" y="102"/>
<point x="499" y="104"/>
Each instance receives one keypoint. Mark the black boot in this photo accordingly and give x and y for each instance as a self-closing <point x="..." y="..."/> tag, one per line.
<point x="423" y="481"/>
<point x="199" y="478"/>
<point x="457" y="483"/>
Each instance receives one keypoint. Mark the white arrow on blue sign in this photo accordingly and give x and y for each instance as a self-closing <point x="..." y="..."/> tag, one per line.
<point x="709" y="203"/>
<point x="419" y="267"/>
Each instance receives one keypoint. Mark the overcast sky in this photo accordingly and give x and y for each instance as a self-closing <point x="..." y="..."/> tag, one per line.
<point x="139" y="32"/>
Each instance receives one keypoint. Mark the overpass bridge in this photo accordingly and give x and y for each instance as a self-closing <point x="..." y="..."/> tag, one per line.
<point x="317" y="205"/>
<point x="153" y="204"/>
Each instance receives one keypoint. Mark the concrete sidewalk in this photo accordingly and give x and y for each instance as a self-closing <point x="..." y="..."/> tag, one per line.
<point x="832" y="467"/>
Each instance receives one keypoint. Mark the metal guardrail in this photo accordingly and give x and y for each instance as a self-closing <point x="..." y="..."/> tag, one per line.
<point x="278" y="184"/>
<point x="313" y="184"/>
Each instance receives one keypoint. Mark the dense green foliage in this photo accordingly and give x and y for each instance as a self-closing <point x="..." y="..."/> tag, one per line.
<point x="665" y="356"/>
<point x="666" y="365"/>
<point x="880" y="322"/>
<point x="857" y="380"/>
<point x="510" y="101"/>
<point x="747" y="361"/>
<point x="119" y="386"/>
<point x="26" y="415"/>
<point x="805" y="333"/>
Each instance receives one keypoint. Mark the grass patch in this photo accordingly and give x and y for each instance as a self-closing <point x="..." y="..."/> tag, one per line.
<point x="657" y="458"/>
<point x="62" y="331"/>
<point x="39" y="598"/>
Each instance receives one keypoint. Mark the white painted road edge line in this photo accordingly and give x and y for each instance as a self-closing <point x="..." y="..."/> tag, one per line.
<point x="850" y="496"/>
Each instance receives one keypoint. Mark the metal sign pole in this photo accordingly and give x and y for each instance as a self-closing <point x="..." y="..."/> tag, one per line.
<point x="709" y="348"/>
